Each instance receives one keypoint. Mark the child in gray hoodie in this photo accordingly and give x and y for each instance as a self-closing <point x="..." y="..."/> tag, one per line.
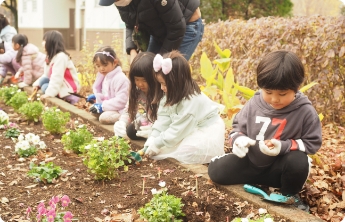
<point x="274" y="132"/>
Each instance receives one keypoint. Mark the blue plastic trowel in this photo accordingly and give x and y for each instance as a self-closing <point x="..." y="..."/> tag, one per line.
<point x="272" y="197"/>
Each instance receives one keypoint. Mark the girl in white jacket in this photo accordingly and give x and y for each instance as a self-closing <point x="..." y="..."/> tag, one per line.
<point x="188" y="126"/>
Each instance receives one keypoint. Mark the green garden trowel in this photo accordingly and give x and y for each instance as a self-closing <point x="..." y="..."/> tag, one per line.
<point x="272" y="197"/>
<point x="137" y="156"/>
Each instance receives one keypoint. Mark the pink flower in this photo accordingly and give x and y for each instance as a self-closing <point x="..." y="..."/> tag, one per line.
<point x="41" y="209"/>
<point x="51" y="215"/>
<point x="54" y="201"/>
<point x="28" y="211"/>
<point x="67" y="217"/>
<point x="65" y="201"/>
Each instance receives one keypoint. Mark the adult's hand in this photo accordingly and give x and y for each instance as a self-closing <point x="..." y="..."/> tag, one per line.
<point x="133" y="54"/>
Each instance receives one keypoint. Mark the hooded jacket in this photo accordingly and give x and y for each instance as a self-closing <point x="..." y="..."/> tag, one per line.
<point x="117" y="92"/>
<point x="8" y="60"/>
<point x="165" y="20"/>
<point x="297" y="126"/>
<point x="32" y="64"/>
<point x="7" y="33"/>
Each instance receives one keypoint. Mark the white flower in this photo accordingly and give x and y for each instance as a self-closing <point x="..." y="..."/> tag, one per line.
<point x="154" y="191"/>
<point x="2" y="126"/>
<point x="100" y="138"/>
<point x="341" y="221"/>
<point x="76" y="122"/>
<point x="29" y="137"/>
<point x="38" y="95"/>
<point x="57" y="110"/>
<point x="161" y="183"/>
<point x="19" y="90"/>
<point x="42" y="145"/>
<point x="88" y="147"/>
<point x="46" y="108"/>
<point x="268" y="220"/>
<point x="21" y="137"/>
<point x="29" y="99"/>
<point x="244" y="220"/>
<point x="68" y="133"/>
<point x="38" y="99"/>
<point x="35" y="139"/>
<point x="81" y="126"/>
<point x="24" y="145"/>
<point x="262" y="211"/>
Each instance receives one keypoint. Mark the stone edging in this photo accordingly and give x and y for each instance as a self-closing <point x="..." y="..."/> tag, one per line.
<point x="285" y="211"/>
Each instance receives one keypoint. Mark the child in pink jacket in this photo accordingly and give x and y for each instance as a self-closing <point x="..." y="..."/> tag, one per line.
<point x="30" y="58"/>
<point x="111" y="87"/>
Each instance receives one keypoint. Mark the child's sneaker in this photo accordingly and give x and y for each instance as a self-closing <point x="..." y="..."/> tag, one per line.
<point x="300" y="204"/>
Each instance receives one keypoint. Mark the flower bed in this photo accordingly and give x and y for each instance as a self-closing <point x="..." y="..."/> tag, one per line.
<point x="95" y="200"/>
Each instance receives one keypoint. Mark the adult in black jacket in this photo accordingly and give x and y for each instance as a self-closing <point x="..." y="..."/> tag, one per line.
<point x="171" y="24"/>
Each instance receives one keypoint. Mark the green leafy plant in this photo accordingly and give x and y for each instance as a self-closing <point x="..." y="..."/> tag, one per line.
<point x="12" y="132"/>
<point x="18" y="100"/>
<point x="32" y="110"/>
<point x="104" y="157"/>
<point x="27" y="145"/>
<point x="162" y="208"/>
<point x="6" y="93"/>
<point x="54" y="120"/>
<point x="4" y="119"/>
<point x="74" y="139"/>
<point x="45" y="172"/>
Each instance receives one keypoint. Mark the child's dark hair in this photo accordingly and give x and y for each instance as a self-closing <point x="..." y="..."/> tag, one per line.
<point x="22" y="41"/>
<point x="142" y="67"/>
<point x="179" y="82"/>
<point x="106" y="54"/>
<point x="54" y="44"/>
<point x="280" y="70"/>
<point x="3" y="21"/>
<point x="2" y="46"/>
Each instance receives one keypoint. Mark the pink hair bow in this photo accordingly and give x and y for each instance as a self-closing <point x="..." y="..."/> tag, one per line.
<point x="164" y="64"/>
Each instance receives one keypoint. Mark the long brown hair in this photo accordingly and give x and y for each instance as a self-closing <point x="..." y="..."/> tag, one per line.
<point x="142" y="66"/>
<point x="179" y="82"/>
<point x="22" y="41"/>
<point x="54" y="44"/>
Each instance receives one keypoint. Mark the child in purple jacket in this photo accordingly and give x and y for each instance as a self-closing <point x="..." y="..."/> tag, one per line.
<point x="111" y="87"/>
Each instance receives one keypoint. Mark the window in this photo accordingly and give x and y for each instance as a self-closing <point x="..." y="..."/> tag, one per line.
<point x="34" y="5"/>
<point x="25" y="6"/>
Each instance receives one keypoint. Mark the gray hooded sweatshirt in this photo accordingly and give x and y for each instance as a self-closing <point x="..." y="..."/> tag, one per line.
<point x="297" y="126"/>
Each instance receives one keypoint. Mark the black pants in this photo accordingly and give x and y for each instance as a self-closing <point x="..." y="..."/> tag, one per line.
<point x="289" y="172"/>
<point x="131" y="132"/>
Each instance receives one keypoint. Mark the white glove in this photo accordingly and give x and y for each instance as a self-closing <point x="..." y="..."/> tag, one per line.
<point x="144" y="131"/>
<point x="149" y="141"/>
<point x="274" y="151"/>
<point x="17" y="75"/>
<point x="120" y="128"/>
<point x="152" y="150"/>
<point x="241" y="144"/>
<point x="22" y="85"/>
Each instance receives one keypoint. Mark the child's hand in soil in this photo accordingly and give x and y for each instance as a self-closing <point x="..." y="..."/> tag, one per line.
<point x="270" y="147"/>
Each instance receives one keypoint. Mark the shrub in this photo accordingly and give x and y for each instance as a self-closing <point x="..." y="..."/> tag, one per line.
<point x="54" y="120"/>
<point x="317" y="40"/>
<point x="6" y="93"/>
<point x="18" y="100"/>
<point x="103" y="158"/>
<point x="162" y="208"/>
<point x="32" y="110"/>
<point x="74" y="139"/>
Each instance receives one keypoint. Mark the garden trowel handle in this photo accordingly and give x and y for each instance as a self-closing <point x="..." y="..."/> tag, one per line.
<point x="255" y="190"/>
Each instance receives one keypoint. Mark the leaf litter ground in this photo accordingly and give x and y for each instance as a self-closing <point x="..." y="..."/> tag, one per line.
<point x="114" y="200"/>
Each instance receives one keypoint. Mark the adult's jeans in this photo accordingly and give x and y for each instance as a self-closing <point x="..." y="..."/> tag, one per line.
<point x="191" y="39"/>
